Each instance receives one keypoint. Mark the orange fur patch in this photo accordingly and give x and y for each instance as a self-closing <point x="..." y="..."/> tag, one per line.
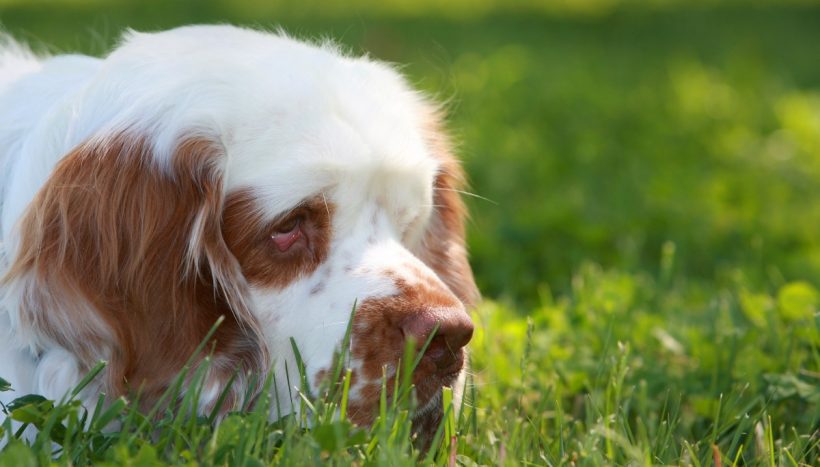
<point x="126" y="261"/>
<point x="248" y="235"/>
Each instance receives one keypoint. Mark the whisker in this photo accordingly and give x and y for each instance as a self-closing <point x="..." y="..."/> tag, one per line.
<point x="327" y="208"/>
<point x="337" y="323"/>
<point x="467" y="193"/>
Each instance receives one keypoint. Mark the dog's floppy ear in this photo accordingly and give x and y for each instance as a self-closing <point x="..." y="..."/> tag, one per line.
<point x="443" y="246"/>
<point x="123" y="259"/>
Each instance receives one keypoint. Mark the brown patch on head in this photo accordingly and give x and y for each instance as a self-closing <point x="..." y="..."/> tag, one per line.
<point x="248" y="235"/>
<point x="122" y="259"/>
<point x="443" y="247"/>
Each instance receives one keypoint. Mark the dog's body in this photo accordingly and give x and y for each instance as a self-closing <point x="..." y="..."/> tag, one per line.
<point x="214" y="171"/>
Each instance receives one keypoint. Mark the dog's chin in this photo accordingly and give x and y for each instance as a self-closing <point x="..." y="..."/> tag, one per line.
<point x="430" y="412"/>
<point x="433" y="405"/>
<point x="429" y="390"/>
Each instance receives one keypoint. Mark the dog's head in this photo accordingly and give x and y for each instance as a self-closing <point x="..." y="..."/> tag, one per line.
<point x="214" y="171"/>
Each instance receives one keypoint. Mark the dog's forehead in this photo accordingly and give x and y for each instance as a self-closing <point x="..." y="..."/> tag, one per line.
<point x="403" y="192"/>
<point x="213" y="75"/>
<point x="356" y="130"/>
<point x="335" y="158"/>
<point x="295" y="119"/>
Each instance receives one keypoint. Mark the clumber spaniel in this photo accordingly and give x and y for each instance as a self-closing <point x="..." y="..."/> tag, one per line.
<point x="212" y="171"/>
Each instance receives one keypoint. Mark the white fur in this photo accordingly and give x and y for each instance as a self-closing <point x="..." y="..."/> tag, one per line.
<point x="295" y="120"/>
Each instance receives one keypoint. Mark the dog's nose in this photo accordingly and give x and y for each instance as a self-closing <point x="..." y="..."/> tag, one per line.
<point x="453" y="330"/>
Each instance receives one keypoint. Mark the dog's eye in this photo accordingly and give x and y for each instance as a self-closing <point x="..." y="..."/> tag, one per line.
<point x="288" y="233"/>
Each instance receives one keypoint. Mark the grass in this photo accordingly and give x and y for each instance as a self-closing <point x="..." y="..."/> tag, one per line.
<point x="652" y="292"/>
<point x="623" y="370"/>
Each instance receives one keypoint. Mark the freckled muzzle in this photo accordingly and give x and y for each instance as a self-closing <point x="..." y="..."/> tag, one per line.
<point x="422" y="309"/>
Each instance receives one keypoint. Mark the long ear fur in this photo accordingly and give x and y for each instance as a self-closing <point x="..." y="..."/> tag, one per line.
<point x="443" y="244"/>
<point x="123" y="260"/>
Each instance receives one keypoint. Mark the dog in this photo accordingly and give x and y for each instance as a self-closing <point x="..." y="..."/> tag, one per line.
<point x="211" y="173"/>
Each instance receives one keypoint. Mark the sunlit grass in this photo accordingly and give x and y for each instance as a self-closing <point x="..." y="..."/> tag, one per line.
<point x="623" y="370"/>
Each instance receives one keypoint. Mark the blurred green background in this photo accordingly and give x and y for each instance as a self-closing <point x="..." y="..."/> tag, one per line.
<point x="592" y="130"/>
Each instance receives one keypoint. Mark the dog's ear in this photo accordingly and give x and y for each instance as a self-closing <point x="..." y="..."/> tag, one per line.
<point x="443" y="246"/>
<point x="122" y="258"/>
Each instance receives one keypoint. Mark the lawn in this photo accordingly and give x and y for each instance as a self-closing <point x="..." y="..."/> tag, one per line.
<point x="645" y="230"/>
